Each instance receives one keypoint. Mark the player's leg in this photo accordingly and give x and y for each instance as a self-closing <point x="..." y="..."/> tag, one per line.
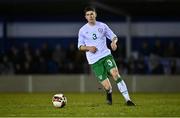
<point x="108" y="88"/>
<point x="121" y="86"/>
<point x="111" y="66"/>
<point x="101" y="76"/>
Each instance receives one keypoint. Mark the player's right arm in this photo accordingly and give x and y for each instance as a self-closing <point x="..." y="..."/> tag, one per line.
<point x="92" y="49"/>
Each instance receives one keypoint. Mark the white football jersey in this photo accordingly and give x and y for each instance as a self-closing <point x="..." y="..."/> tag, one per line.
<point x="95" y="36"/>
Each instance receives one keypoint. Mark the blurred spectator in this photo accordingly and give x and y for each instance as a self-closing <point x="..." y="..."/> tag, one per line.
<point x="46" y="60"/>
<point x="166" y="64"/>
<point x="131" y="65"/>
<point x="52" y="67"/>
<point x="27" y="68"/>
<point x="46" y="52"/>
<point x="13" y="55"/>
<point x="178" y="66"/>
<point x="142" y="68"/>
<point x="59" y="56"/>
<point x="36" y="61"/>
<point x="70" y="58"/>
<point x="6" y="67"/>
<point x="145" y="49"/>
<point x="178" y="49"/>
<point x="79" y="61"/>
<point x="25" y="50"/>
<point x="155" y="65"/>
<point x="18" y="69"/>
<point x="173" y="67"/>
<point x="120" y="51"/>
<point x="42" y="66"/>
<point x="122" y="65"/>
<point x="170" y="51"/>
<point x="158" y="48"/>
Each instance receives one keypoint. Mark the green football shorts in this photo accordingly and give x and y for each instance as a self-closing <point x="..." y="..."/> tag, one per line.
<point x="102" y="67"/>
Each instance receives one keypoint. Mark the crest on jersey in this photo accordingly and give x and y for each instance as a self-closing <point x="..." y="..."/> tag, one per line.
<point x="100" y="77"/>
<point x="100" y="30"/>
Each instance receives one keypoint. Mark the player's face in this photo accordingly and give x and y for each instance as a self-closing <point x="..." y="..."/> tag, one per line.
<point x="90" y="16"/>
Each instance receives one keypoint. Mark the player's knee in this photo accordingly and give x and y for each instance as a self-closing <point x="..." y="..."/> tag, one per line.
<point x="108" y="87"/>
<point x="106" y="84"/>
<point x="114" y="73"/>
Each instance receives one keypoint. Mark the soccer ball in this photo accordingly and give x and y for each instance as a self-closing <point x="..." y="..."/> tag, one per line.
<point x="59" y="100"/>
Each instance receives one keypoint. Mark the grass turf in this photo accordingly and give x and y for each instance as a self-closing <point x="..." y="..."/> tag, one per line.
<point x="89" y="105"/>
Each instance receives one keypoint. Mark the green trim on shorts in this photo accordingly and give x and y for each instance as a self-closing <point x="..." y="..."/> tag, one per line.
<point x="102" y="67"/>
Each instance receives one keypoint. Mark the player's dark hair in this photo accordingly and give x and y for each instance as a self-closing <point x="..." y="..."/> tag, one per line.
<point x="89" y="9"/>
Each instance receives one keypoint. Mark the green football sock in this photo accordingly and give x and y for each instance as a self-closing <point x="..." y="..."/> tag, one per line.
<point x="118" y="79"/>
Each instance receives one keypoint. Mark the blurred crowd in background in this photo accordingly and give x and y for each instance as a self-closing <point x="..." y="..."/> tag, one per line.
<point x="157" y="59"/>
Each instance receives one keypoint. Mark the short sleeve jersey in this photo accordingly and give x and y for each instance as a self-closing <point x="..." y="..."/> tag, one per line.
<point x="95" y="36"/>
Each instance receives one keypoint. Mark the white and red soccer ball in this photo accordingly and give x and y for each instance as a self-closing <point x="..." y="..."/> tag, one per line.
<point x="59" y="100"/>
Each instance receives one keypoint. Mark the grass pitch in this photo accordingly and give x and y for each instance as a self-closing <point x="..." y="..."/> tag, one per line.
<point x="89" y="105"/>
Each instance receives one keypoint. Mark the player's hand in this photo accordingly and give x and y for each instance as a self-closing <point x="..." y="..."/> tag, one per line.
<point x="113" y="46"/>
<point x="92" y="49"/>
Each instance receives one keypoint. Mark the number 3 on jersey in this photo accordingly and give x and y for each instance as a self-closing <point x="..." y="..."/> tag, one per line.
<point x="94" y="36"/>
<point x="109" y="62"/>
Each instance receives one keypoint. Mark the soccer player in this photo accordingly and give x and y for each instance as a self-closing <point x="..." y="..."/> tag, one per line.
<point x="92" y="39"/>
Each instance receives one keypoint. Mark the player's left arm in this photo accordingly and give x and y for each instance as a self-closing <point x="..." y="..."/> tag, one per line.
<point x="113" y="43"/>
<point x="110" y="35"/>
